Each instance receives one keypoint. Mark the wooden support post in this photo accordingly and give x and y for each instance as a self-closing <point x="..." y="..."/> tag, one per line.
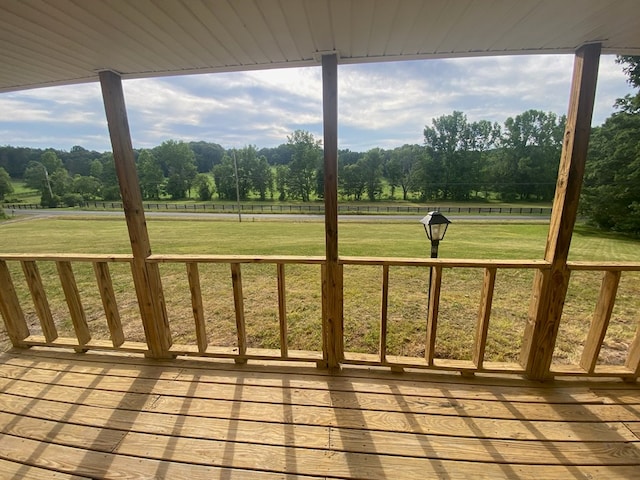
<point x="146" y="276"/>
<point x="550" y="287"/>
<point x="12" y="313"/>
<point x="332" y="288"/>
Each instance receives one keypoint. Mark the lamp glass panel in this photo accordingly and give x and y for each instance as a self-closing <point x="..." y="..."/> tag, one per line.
<point x="438" y="230"/>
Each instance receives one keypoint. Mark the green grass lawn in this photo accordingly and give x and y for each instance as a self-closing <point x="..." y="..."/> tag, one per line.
<point x="408" y="285"/>
<point x="22" y="193"/>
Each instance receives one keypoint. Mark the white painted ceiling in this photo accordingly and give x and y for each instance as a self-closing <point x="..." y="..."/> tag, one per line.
<point x="51" y="42"/>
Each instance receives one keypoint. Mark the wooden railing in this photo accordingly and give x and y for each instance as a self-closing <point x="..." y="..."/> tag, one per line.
<point x="45" y="332"/>
<point x="612" y="272"/>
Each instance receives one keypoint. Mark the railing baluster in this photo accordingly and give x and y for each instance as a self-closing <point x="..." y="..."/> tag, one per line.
<point x="600" y="321"/>
<point x="196" y="305"/>
<point x="72" y="296"/>
<point x="384" y="313"/>
<point x="633" y="359"/>
<point x="282" y="311"/>
<point x="12" y="313"/>
<point x="105" y="286"/>
<point x="238" y="300"/>
<point x="40" y="302"/>
<point x="483" y="316"/>
<point x="432" y="319"/>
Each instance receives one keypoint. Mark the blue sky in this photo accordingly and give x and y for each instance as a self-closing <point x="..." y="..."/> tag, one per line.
<point x="382" y="104"/>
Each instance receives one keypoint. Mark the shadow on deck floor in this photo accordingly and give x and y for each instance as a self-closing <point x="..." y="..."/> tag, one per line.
<point x="98" y="415"/>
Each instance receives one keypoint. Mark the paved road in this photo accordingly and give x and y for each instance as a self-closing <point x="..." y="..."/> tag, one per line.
<point x="44" y="213"/>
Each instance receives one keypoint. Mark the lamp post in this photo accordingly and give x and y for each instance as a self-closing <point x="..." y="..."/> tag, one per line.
<point x="435" y="226"/>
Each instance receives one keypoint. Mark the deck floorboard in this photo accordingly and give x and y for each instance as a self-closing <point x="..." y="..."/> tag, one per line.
<point x="66" y="415"/>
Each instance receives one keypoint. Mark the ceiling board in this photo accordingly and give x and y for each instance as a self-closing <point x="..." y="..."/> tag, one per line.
<point x="50" y="42"/>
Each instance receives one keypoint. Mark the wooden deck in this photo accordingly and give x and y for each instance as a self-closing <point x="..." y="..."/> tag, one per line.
<point x="67" y="415"/>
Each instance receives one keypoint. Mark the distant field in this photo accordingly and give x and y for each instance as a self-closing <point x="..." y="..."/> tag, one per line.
<point x="23" y="193"/>
<point x="408" y="286"/>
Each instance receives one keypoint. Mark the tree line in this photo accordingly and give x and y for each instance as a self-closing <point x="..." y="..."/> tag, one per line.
<point x="459" y="160"/>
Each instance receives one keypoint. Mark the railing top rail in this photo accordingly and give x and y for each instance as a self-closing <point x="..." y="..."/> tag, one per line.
<point x="444" y="262"/>
<point x="298" y="259"/>
<point x="66" y="257"/>
<point x="605" y="266"/>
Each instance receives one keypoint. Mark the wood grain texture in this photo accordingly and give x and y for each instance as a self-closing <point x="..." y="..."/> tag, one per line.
<point x="550" y="290"/>
<point x="282" y="310"/>
<point x="432" y="316"/>
<point x="332" y="279"/>
<point x="600" y="320"/>
<point x="109" y="303"/>
<point x="238" y="300"/>
<point x="196" y="306"/>
<point x="10" y="308"/>
<point x="384" y="314"/>
<point x="484" y="314"/>
<point x="146" y="276"/>
<point x="39" y="297"/>
<point x="72" y="297"/>
<point x="109" y="416"/>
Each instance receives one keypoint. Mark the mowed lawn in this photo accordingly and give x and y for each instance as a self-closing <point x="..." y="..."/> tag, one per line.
<point x="408" y="285"/>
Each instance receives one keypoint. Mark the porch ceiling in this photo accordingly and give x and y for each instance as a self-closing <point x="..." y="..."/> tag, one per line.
<point x="50" y="42"/>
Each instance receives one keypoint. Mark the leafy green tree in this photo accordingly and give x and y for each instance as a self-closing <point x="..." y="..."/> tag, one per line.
<point x="34" y="176"/>
<point x="305" y="161"/>
<point x="87" y="187"/>
<point x="109" y="179"/>
<point x="95" y="169"/>
<point x="282" y="173"/>
<point x="527" y="164"/>
<point x="15" y="159"/>
<point x="280" y="155"/>
<point x="203" y="187"/>
<point x="261" y="177"/>
<point x="371" y="167"/>
<point x="399" y="168"/>
<point x="352" y="180"/>
<point x="426" y="177"/>
<point x="611" y="193"/>
<point x="206" y="155"/>
<point x="179" y="161"/>
<point x="78" y="160"/>
<point x="51" y="161"/>
<point x="448" y="143"/>
<point x="224" y="177"/>
<point x="5" y="184"/>
<point x="150" y="175"/>
<point x="61" y="182"/>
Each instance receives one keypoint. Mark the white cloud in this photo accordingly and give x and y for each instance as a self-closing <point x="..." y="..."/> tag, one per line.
<point x="382" y="105"/>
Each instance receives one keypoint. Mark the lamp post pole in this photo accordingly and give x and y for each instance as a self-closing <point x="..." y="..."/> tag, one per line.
<point x="434" y="254"/>
<point x="435" y="226"/>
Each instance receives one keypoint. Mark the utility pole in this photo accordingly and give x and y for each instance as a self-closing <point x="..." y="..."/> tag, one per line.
<point x="235" y="168"/>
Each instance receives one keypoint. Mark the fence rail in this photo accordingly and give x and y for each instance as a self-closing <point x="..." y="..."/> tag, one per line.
<point x="204" y="341"/>
<point x="256" y="208"/>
